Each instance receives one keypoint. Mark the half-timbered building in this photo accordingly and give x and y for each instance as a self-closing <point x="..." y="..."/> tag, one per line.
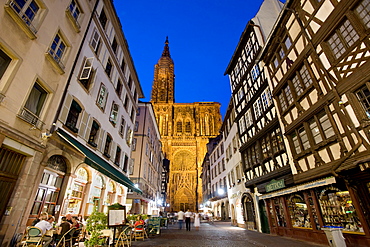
<point x="317" y="58"/>
<point x="262" y="150"/>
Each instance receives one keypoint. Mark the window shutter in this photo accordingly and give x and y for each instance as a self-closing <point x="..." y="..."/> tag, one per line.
<point x="88" y="129"/>
<point x="101" y="142"/>
<point x="87" y="68"/>
<point x="84" y="119"/>
<point x="67" y="104"/>
<point x="113" y="150"/>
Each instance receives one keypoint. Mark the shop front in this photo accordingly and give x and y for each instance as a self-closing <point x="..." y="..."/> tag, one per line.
<point x="302" y="211"/>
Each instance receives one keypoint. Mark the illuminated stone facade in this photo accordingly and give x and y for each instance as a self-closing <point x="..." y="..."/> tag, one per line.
<point x="185" y="129"/>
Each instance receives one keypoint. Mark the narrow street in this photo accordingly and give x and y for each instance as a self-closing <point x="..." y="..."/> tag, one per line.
<point x="218" y="234"/>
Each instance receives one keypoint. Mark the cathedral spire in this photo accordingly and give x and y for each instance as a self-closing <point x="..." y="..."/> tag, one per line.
<point x="164" y="78"/>
<point x="166" y="50"/>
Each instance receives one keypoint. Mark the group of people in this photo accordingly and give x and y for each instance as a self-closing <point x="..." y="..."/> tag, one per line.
<point x="188" y="216"/>
<point x="54" y="232"/>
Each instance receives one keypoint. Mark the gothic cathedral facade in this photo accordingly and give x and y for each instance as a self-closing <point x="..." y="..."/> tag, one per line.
<point x="185" y="129"/>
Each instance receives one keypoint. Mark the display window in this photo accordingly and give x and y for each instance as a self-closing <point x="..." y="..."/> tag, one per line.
<point x="338" y="210"/>
<point x="279" y="212"/>
<point x="298" y="211"/>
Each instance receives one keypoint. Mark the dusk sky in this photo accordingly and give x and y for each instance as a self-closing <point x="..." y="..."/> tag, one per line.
<point x="202" y="34"/>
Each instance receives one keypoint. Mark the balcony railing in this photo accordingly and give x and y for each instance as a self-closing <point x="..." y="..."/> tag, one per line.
<point x="31" y="118"/>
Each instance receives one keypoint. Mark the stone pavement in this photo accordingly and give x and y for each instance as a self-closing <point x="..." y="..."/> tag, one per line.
<point x="219" y="234"/>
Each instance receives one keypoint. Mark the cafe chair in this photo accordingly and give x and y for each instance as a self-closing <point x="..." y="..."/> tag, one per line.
<point x="33" y="237"/>
<point x="139" y="232"/>
<point x="124" y="238"/>
<point x="66" y="239"/>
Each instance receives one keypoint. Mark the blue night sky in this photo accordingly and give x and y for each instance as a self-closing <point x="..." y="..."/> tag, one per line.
<point x="203" y="35"/>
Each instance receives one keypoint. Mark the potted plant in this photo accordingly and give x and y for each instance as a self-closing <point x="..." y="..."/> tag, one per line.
<point x="96" y="222"/>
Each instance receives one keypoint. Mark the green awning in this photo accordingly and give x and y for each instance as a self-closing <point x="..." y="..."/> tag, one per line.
<point x="98" y="163"/>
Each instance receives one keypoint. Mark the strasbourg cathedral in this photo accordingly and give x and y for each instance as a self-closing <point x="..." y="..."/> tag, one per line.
<point x="185" y="130"/>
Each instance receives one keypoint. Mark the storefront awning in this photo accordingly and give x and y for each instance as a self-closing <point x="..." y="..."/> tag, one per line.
<point x="306" y="186"/>
<point x="98" y="163"/>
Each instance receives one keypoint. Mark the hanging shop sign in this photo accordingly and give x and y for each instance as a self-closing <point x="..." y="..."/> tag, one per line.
<point x="275" y="185"/>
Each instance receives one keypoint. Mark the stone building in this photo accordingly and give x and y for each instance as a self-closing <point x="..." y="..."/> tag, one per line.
<point x="39" y="41"/>
<point x="147" y="163"/>
<point x="185" y="129"/>
<point x="69" y="94"/>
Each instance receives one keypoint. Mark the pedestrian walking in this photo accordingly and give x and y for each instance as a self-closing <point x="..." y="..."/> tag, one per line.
<point x="180" y="218"/>
<point x="188" y="216"/>
<point x="196" y="220"/>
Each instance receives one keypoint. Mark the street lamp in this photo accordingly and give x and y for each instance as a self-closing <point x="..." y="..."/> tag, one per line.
<point x="221" y="192"/>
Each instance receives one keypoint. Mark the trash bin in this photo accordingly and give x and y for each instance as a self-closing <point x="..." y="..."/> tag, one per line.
<point x="334" y="236"/>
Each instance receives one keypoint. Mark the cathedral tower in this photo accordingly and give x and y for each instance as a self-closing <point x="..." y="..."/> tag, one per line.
<point x="164" y="78"/>
<point x="185" y="129"/>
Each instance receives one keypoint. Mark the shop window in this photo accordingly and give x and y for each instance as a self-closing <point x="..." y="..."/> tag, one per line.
<point x="298" y="211"/>
<point x="279" y="212"/>
<point x="338" y="210"/>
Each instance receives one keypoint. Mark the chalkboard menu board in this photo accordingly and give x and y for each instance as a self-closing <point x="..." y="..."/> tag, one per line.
<point x="154" y="225"/>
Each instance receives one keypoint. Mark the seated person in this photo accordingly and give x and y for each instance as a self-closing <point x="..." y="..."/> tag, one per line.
<point x="45" y="225"/>
<point x="64" y="227"/>
<point x="37" y="220"/>
<point x="139" y="221"/>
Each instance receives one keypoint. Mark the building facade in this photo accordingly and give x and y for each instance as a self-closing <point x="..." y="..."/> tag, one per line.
<point x="318" y="60"/>
<point x="147" y="162"/>
<point x="236" y="190"/>
<point x="185" y="129"/>
<point x="39" y="41"/>
<point x="262" y="149"/>
<point x="69" y="129"/>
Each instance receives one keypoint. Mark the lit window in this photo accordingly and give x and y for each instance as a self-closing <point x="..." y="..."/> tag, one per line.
<point x="114" y="113"/>
<point x="102" y="97"/>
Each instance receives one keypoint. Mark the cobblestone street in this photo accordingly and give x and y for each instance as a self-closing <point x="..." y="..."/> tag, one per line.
<point x="218" y="234"/>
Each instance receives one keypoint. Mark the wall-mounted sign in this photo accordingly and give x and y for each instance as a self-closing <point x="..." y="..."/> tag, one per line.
<point x="275" y="185"/>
